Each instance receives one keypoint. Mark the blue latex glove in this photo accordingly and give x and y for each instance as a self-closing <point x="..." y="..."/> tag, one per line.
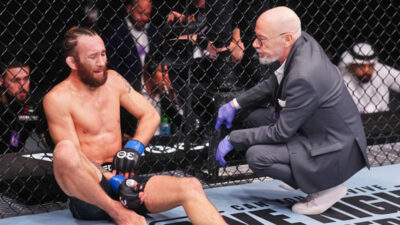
<point x="224" y="147"/>
<point x="226" y="113"/>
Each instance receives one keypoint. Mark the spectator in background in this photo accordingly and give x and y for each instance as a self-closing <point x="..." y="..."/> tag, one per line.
<point x="160" y="93"/>
<point x="210" y="72"/>
<point x="216" y="28"/>
<point x="128" y="42"/>
<point x="368" y="80"/>
<point x="232" y="23"/>
<point x="19" y="111"/>
<point x="226" y="21"/>
<point x="249" y="71"/>
<point x="213" y="30"/>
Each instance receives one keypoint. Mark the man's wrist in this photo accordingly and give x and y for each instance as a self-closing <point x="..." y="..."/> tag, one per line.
<point x="235" y="104"/>
<point x="135" y="144"/>
<point x="228" y="137"/>
<point x="115" y="182"/>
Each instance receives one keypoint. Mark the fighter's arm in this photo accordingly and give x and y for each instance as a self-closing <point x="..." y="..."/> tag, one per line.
<point x="139" y="107"/>
<point x="60" y="124"/>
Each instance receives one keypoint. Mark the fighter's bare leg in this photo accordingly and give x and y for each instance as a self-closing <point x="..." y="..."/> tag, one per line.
<point x="78" y="177"/>
<point x="166" y="192"/>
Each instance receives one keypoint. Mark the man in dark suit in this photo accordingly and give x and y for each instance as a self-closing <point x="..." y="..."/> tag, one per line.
<point x="129" y="40"/>
<point x="128" y="43"/>
<point x="311" y="137"/>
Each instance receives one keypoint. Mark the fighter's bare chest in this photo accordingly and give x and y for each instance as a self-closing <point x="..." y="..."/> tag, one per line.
<point x="95" y="116"/>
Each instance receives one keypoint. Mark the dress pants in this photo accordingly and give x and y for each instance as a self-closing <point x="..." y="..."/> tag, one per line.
<point x="270" y="160"/>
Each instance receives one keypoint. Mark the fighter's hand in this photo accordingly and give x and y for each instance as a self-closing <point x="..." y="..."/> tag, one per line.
<point x="131" y="194"/>
<point x="223" y="148"/>
<point x="226" y="113"/>
<point x="126" y="161"/>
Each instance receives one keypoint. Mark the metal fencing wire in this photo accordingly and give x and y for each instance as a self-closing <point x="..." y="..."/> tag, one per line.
<point x="161" y="50"/>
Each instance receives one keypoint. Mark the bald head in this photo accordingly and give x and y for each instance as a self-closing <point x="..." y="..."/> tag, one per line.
<point x="280" y="20"/>
<point x="276" y="32"/>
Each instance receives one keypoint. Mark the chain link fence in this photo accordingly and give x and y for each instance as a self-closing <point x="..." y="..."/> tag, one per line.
<point x="168" y="63"/>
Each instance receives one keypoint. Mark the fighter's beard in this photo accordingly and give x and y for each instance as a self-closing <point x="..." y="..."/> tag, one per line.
<point x="87" y="77"/>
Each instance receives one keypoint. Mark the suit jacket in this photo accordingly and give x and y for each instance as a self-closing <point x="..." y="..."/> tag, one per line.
<point x="318" y="120"/>
<point x="122" y="53"/>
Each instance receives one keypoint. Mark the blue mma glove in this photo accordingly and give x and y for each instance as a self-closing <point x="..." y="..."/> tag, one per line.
<point x="127" y="191"/>
<point x="115" y="182"/>
<point x="126" y="160"/>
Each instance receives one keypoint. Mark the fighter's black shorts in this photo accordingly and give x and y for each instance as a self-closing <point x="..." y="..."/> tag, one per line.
<point x="86" y="211"/>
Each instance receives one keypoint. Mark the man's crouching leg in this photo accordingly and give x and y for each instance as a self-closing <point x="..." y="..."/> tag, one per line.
<point x="165" y="192"/>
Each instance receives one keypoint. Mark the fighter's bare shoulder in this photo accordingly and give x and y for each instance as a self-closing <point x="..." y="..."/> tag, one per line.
<point x="113" y="76"/>
<point x="59" y="93"/>
<point x="118" y="81"/>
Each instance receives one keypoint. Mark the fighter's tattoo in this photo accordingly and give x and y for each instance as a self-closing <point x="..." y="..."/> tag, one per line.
<point x="127" y="85"/>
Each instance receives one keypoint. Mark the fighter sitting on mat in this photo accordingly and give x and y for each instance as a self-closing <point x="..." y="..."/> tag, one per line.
<point x="84" y="121"/>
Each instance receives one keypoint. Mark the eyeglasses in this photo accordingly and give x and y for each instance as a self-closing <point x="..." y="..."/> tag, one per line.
<point x="265" y="40"/>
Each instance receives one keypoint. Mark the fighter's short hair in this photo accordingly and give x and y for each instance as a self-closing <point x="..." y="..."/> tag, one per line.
<point x="71" y="38"/>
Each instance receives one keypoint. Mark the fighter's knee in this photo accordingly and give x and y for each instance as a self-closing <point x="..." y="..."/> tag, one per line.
<point x="65" y="153"/>
<point x="192" y="184"/>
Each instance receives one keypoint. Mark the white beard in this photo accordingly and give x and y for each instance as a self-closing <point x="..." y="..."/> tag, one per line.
<point x="265" y="60"/>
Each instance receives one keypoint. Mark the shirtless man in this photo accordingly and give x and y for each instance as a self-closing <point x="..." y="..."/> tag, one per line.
<point x="84" y="121"/>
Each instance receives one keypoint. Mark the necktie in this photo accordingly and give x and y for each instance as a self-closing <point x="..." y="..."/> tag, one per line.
<point x="141" y="50"/>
